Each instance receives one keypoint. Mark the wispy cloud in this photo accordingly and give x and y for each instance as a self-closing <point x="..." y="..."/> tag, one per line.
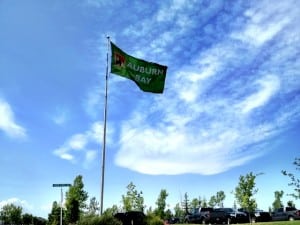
<point x="78" y="146"/>
<point x="61" y="116"/>
<point x="268" y="86"/>
<point x="7" y="121"/>
<point x="213" y="115"/>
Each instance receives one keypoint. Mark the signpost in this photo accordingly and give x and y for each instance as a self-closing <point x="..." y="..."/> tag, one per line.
<point x="61" y="197"/>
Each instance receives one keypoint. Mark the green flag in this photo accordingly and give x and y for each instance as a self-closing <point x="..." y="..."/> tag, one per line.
<point x="150" y="77"/>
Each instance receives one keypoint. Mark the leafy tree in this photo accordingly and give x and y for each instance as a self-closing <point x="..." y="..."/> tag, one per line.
<point x="245" y="191"/>
<point x="204" y="203"/>
<point x="39" y="221"/>
<point x="212" y="201"/>
<point x="54" y="216"/>
<point x="111" y="211"/>
<point x="277" y="202"/>
<point x="27" y="219"/>
<point x="179" y="213"/>
<point x="11" y="214"/>
<point x="195" y="203"/>
<point x="93" y="206"/>
<point x="294" y="181"/>
<point x="161" y="204"/>
<point x="168" y="214"/>
<point x="133" y="200"/>
<point x="220" y="196"/>
<point x="75" y="200"/>
<point x="291" y="204"/>
<point x="217" y="199"/>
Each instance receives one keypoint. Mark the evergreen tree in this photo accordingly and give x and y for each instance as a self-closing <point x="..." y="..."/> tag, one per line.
<point x="186" y="204"/>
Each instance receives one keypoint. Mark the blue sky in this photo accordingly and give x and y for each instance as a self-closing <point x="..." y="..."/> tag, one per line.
<point x="231" y="103"/>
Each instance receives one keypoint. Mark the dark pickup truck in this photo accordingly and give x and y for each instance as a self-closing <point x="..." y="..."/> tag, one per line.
<point x="288" y="213"/>
<point x="227" y="215"/>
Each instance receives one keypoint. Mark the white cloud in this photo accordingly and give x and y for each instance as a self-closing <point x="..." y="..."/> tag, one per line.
<point x="77" y="146"/>
<point x="18" y="202"/>
<point x="266" y="21"/>
<point x="78" y="141"/>
<point x="202" y="127"/>
<point x="268" y="85"/>
<point x="8" y="123"/>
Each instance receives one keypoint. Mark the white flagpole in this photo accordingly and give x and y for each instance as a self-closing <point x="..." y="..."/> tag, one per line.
<point x="104" y="131"/>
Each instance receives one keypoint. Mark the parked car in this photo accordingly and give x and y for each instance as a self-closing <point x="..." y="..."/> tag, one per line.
<point x="173" y="220"/>
<point x="198" y="215"/>
<point x="217" y="217"/>
<point x="131" y="218"/>
<point x="287" y="213"/>
<point x="234" y="216"/>
<point x="257" y="216"/>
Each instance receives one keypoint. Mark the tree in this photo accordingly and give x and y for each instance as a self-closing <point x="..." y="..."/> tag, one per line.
<point x="111" y="211"/>
<point x="277" y="202"/>
<point x="245" y="191"/>
<point x="294" y="181"/>
<point x="93" y="206"/>
<point x="133" y="200"/>
<point x="11" y="214"/>
<point x="195" y="203"/>
<point x="161" y="204"/>
<point x="179" y="213"/>
<point x="217" y="199"/>
<point x="220" y="196"/>
<point x="75" y="200"/>
<point x="212" y="201"/>
<point x="186" y="203"/>
<point x="54" y="216"/>
<point x="290" y="204"/>
<point x="27" y="219"/>
<point x="204" y="203"/>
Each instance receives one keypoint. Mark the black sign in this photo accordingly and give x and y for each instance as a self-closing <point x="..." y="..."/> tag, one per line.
<point x="61" y="185"/>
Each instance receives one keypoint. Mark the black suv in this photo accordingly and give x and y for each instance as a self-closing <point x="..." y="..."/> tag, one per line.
<point x="131" y="218"/>
<point x="234" y="216"/>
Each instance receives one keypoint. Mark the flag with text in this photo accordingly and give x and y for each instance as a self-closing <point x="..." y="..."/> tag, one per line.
<point x="149" y="76"/>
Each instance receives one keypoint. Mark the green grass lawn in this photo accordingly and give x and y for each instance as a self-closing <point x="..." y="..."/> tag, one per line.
<point x="296" y="222"/>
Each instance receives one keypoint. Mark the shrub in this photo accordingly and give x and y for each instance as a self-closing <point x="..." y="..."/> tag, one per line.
<point x="154" y="220"/>
<point x="99" y="220"/>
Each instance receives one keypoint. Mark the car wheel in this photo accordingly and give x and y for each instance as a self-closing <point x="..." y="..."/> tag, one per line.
<point x="291" y="218"/>
<point x="253" y="220"/>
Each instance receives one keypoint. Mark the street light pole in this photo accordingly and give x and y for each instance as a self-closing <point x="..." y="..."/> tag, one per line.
<point x="61" y="197"/>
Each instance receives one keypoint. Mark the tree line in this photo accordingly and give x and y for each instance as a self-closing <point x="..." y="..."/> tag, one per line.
<point x="77" y="211"/>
